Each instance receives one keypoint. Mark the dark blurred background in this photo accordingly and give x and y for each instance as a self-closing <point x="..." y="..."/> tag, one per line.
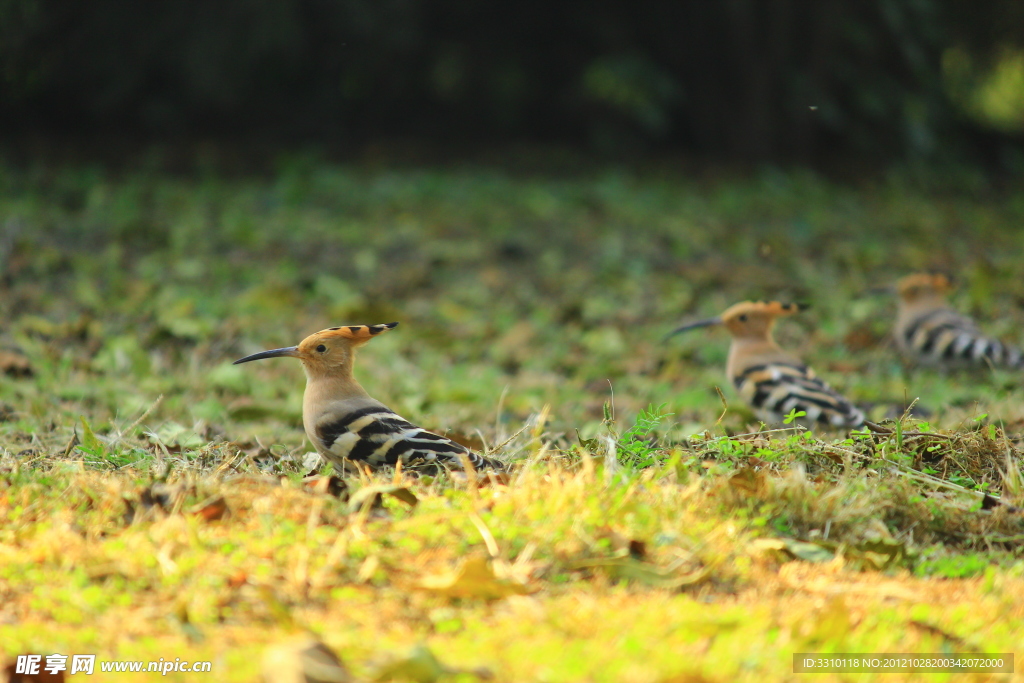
<point x="807" y="81"/>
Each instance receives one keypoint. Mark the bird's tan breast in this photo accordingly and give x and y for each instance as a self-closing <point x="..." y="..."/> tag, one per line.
<point x="325" y="403"/>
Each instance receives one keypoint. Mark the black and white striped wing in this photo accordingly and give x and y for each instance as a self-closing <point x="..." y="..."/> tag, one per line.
<point x="944" y="337"/>
<point x="376" y="436"/>
<point x="775" y="390"/>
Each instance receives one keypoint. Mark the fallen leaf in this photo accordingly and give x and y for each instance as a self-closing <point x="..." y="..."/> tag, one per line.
<point x="792" y="549"/>
<point x="332" y="485"/>
<point x="376" y="495"/>
<point x="876" y="554"/>
<point x="748" y="482"/>
<point x="809" y="552"/>
<point x="474" y="578"/>
<point x="303" y="660"/>
<point x="212" y="509"/>
<point x="489" y="478"/>
<point x="238" y="579"/>
<point x="89" y="440"/>
<point x="421" y="666"/>
<point x="629" y="569"/>
<point x="176" y="437"/>
<point x="156" y="499"/>
<point x="592" y="446"/>
<point x="311" y="461"/>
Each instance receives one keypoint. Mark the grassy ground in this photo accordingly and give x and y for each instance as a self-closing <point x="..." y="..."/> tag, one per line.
<point x="153" y="496"/>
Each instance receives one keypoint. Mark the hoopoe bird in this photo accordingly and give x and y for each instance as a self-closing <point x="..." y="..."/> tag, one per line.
<point x="929" y="332"/>
<point x="771" y="381"/>
<point x="346" y="425"/>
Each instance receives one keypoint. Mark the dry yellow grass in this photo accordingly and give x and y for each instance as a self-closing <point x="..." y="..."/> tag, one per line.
<point x="578" y="576"/>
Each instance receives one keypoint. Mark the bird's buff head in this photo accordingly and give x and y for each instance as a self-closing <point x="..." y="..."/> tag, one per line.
<point x="922" y="286"/>
<point x="747" y="319"/>
<point x="327" y="351"/>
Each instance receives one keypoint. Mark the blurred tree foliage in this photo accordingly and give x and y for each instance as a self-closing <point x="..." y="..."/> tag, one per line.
<point x="748" y="79"/>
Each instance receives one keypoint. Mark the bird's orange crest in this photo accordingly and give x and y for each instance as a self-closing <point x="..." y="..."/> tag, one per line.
<point x="360" y="333"/>
<point x="771" y="309"/>
<point x="355" y="335"/>
<point x="918" y="284"/>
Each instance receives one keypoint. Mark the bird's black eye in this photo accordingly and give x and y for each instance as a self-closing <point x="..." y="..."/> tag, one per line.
<point x="321" y="348"/>
<point x="743" y="318"/>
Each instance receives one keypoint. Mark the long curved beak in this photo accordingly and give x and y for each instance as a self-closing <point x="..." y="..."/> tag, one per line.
<point x="290" y="351"/>
<point x="692" y="326"/>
